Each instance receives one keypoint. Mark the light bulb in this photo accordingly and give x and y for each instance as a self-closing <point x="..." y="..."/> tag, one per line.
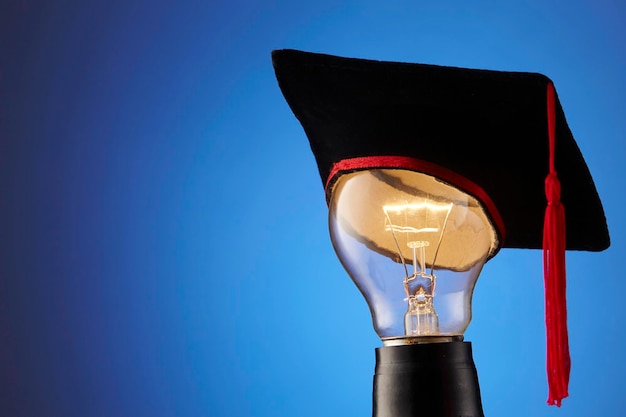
<point x="414" y="246"/>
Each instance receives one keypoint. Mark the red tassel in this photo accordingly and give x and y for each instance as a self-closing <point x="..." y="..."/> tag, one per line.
<point x="558" y="359"/>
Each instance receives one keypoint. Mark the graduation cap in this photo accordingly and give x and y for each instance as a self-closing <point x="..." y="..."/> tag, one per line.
<point x="501" y="137"/>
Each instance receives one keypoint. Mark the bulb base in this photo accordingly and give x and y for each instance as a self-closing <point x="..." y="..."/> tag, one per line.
<point x="429" y="380"/>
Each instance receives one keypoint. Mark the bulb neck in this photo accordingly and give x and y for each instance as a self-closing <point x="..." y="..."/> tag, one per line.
<point x="427" y="380"/>
<point x="420" y="340"/>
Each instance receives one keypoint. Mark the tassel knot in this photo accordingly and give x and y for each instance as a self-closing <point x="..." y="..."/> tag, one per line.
<point x="553" y="189"/>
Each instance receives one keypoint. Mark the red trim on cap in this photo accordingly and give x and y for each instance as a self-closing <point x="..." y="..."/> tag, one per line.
<point x="404" y="162"/>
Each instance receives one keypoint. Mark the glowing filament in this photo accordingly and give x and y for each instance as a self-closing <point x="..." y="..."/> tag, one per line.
<point x="422" y="224"/>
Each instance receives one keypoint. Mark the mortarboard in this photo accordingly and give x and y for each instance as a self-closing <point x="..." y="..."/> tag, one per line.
<point x="502" y="137"/>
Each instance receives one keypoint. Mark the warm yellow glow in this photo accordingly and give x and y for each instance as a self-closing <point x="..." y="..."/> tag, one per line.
<point x="417" y="206"/>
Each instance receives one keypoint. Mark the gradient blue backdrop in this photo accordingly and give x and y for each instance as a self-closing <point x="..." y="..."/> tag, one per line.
<point x="163" y="239"/>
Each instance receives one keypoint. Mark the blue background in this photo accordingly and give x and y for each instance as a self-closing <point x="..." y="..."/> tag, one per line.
<point x="163" y="230"/>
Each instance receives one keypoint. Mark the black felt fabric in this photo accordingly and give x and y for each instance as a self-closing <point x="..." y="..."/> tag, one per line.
<point x="488" y="126"/>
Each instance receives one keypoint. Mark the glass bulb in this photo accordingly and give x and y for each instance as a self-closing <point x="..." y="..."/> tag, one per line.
<point x="414" y="246"/>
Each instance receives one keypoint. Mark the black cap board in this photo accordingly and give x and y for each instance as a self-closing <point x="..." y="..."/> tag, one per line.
<point x="487" y="126"/>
